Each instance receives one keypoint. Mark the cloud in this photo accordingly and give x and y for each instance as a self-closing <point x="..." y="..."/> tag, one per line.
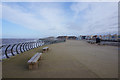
<point x="79" y="7"/>
<point x="40" y="18"/>
<point x="0" y="10"/>
<point x="0" y="20"/>
<point x="63" y="19"/>
<point x="99" y="17"/>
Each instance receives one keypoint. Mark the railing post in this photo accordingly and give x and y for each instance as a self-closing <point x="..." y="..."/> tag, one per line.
<point x="6" y="51"/>
<point x="21" y="47"/>
<point x="31" y="45"/>
<point x="38" y="44"/>
<point x="16" y="48"/>
<point x="12" y="49"/>
<point x="24" y="47"/>
<point x="35" y="44"/>
<point x="28" y="45"/>
<point x="1" y="46"/>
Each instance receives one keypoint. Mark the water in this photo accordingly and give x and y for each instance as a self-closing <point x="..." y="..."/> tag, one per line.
<point x="14" y="41"/>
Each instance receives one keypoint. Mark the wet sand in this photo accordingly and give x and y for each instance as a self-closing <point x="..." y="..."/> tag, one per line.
<point x="72" y="59"/>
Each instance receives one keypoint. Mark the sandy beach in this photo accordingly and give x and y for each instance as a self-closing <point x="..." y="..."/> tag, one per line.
<point x="70" y="59"/>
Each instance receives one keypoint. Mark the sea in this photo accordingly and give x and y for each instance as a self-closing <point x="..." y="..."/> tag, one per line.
<point x="7" y="41"/>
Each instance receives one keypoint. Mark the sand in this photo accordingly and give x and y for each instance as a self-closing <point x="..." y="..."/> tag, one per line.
<point x="71" y="59"/>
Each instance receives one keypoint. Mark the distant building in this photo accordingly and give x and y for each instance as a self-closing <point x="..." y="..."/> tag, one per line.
<point x="118" y="36"/>
<point x="114" y="37"/>
<point x="100" y="36"/>
<point x="67" y="37"/>
<point x="94" y="37"/>
<point x="107" y="37"/>
<point x="62" y="37"/>
<point x="88" y="37"/>
<point x="103" y="37"/>
<point x="47" y="38"/>
<point x="81" y="37"/>
<point x="50" y="38"/>
<point x="72" y="37"/>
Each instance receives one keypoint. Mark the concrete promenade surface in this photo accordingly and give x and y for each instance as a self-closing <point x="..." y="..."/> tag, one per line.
<point x="70" y="59"/>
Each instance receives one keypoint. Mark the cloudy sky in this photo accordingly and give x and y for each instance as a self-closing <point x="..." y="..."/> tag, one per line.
<point x="43" y="19"/>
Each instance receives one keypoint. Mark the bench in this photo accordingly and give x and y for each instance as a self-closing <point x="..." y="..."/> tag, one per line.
<point x="45" y="49"/>
<point x="33" y="62"/>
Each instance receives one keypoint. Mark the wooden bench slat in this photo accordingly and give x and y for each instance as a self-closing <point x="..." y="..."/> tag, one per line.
<point x="45" y="48"/>
<point x="30" y="61"/>
<point x="36" y="59"/>
<point x="32" y="58"/>
<point x="33" y="61"/>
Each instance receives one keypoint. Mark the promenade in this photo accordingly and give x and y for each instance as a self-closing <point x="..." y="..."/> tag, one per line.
<point x="70" y="59"/>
